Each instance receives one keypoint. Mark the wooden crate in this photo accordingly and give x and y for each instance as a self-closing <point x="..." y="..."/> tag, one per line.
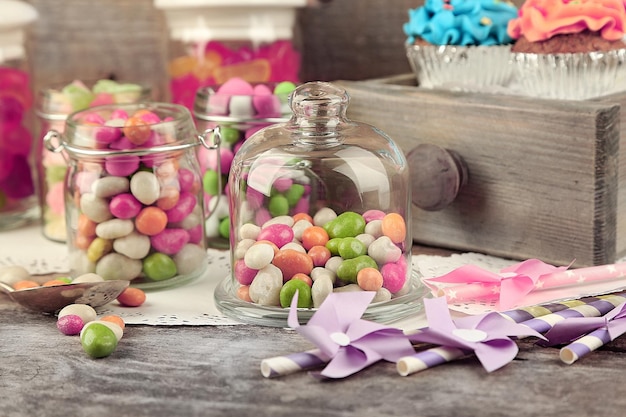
<point x="546" y="179"/>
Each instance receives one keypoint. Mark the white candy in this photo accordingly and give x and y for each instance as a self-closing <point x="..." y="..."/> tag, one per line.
<point x="95" y="208"/>
<point x="241" y="106"/>
<point x="383" y="251"/>
<point x="249" y="231"/>
<point x="288" y="220"/>
<point x="349" y="288"/>
<point x="134" y="245"/>
<point x="84" y="311"/>
<point x="189" y="259"/>
<point x="321" y="272"/>
<point x="109" y="186"/>
<point x="295" y="246"/>
<point x="14" y="273"/>
<point x="333" y="263"/>
<point x="322" y="286"/>
<point x="117" y="266"/>
<point x="259" y="256"/>
<point x="145" y="187"/>
<point x="366" y="239"/>
<point x="114" y="228"/>
<point x="382" y="294"/>
<point x="265" y="289"/>
<point x="299" y="227"/>
<point x="374" y="228"/>
<point x="88" y="277"/>
<point x="323" y="216"/>
<point x="80" y="264"/>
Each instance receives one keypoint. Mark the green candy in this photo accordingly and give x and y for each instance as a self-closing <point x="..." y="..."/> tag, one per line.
<point x="55" y="174"/>
<point x="347" y="224"/>
<point x="351" y="247"/>
<point x="98" y="340"/>
<point x="294" y="194"/>
<point x="224" y="227"/>
<point x="333" y="245"/>
<point x="283" y="89"/>
<point x="349" y="268"/>
<point x="278" y="205"/>
<point x="229" y="134"/>
<point x="158" y="266"/>
<point x="78" y="94"/>
<point x="305" y="300"/>
<point x="210" y="182"/>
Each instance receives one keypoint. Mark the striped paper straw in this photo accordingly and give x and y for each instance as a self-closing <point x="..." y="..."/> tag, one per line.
<point x="526" y="313"/>
<point x="586" y="344"/>
<point x="427" y="359"/>
<point x="295" y="362"/>
<point x="594" y="308"/>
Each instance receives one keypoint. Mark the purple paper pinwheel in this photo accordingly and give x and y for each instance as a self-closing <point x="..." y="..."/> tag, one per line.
<point x="587" y="333"/>
<point x="508" y="287"/>
<point x="350" y="342"/>
<point x="487" y="335"/>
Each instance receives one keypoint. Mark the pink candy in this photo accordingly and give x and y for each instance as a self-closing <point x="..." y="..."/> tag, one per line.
<point x="278" y="234"/>
<point x="170" y="241"/>
<point x="124" y="206"/>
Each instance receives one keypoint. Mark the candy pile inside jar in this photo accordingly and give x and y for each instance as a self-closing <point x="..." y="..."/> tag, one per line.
<point x="321" y="254"/>
<point x="239" y="109"/>
<point x="136" y="211"/>
<point x="53" y="107"/>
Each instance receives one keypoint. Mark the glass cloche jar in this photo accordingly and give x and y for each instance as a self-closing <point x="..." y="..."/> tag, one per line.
<point x="318" y="204"/>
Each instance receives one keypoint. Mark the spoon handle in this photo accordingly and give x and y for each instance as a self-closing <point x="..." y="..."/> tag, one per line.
<point x="6" y="288"/>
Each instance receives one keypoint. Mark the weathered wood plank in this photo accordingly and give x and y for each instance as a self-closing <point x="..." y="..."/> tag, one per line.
<point x="543" y="174"/>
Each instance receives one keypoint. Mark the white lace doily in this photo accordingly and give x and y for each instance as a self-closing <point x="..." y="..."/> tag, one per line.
<point x="193" y="304"/>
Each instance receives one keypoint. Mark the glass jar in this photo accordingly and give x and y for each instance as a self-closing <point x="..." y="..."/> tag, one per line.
<point x="318" y="204"/>
<point x="239" y="109"/>
<point x="133" y="195"/>
<point x="18" y="194"/>
<point x="212" y="41"/>
<point x="54" y="104"/>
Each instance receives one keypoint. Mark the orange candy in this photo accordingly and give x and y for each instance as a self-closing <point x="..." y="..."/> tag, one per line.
<point x="369" y="279"/>
<point x="243" y="293"/>
<point x="85" y="226"/>
<point x="151" y="221"/>
<point x="302" y="216"/>
<point x="131" y="297"/>
<point x="53" y="282"/>
<point x="314" y="236"/>
<point x="394" y="227"/>
<point x="114" y="319"/>
<point x="320" y="255"/>
<point x="169" y="197"/>
<point x="303" y="277"/>
<point x="136" y="130"/>
<point x="292" y="262"/>
<point x="255" y="71"/>
<point x="24" y="284"/>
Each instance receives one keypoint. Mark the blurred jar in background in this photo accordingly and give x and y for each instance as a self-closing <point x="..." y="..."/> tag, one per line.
<point x="54" y="104"/>
<point x="212" y="41"/>
<point x="18" y="196"/>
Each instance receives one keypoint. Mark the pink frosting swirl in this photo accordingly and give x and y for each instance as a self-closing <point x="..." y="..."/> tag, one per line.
<point x="542" y="19"/>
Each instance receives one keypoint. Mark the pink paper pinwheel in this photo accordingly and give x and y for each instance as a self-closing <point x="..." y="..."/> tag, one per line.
<point x="350" y="342"/>
<point x="508" y="287"/>
<point x="487" y="335"/>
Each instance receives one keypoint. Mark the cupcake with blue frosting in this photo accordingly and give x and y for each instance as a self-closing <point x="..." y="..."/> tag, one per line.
<point x="460" y="44"/>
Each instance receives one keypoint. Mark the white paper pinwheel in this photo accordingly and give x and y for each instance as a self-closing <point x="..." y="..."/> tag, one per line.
<point x="350" y="342"/>
<point x="487" y="335"/>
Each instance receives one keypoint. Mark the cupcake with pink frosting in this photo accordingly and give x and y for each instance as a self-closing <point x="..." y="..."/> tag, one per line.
<point x="460" y="44"/>
<point x="570" y="49"/>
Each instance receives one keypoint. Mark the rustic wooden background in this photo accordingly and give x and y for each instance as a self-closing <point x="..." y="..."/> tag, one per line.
<point x="92" y="39"/>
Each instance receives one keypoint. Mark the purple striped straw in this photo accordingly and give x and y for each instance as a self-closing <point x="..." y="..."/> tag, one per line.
<point x="586" y="344"/>
<point x="596" y="308"/>
<point x="295" y="362"/>
<point x="427" y="359"/>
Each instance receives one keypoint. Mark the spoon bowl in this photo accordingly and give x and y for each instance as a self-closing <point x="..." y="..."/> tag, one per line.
<point x="53" y="298"/>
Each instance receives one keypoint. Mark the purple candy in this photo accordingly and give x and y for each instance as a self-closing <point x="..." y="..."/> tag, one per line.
<point x="262" y="216"/>
<point x="282" y="184"/>
<point x="186" y="179"/>
<point x="196" y="234"/>
<point x="394" y="276"/>
<point x="125" y="206"/>
<point x="370" y="215"/>
<point x="70" y="324"/>
<point x="170" y="241"/>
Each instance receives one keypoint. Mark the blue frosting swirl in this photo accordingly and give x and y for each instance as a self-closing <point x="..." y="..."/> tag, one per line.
<point x="461" y="22"/>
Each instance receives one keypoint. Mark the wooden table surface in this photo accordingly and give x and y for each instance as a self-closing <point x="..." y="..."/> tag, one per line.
<point x="215" y="371"/>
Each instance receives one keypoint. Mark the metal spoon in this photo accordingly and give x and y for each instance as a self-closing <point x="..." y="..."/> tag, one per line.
<point x="53" y="298"/>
